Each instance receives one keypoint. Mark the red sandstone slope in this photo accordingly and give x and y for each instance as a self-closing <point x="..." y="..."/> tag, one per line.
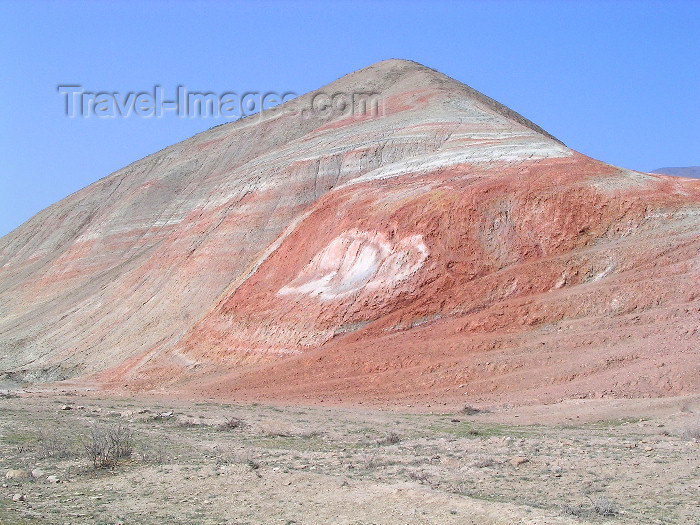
<point x="444" y="247"/>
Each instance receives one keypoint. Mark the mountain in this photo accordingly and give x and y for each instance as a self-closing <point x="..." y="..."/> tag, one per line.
<point x="440" y="247"/>
<point x="690" y="171"/>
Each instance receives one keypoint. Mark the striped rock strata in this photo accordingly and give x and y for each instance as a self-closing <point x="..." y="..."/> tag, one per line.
<point x="430" y="244"/>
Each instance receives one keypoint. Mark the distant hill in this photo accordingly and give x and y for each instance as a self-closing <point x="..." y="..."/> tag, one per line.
<point x="692" y="172"/>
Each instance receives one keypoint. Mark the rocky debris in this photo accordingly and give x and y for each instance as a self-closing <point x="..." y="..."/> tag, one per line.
<point x="516" y="461"/>
<point x="53" y="479"/>
<point x="66" y="407"/>
<point x="38" y="473"/>
<point x="17" y="474"/>
<point x="19" y="497"/>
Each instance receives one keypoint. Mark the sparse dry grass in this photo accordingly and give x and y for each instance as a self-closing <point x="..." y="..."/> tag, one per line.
<point x="53" y="444"/>
<point x="231" y="423"/>
<point x="691" y="431"/>
<point x="264" y="461"/>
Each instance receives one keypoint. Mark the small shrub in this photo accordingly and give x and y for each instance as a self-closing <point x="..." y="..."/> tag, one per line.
<point x="121" y="439"/>
<point x="602" y="506"/>
<point x="391" y="439"/>
<point x="372" y="463"/>
<point x="572" y="510"/>
<point x="421" y="477"/>
<point x="224" y="456"/>
<point x="105" y="445"/>
<point x="460" y="488"/>
<point x="96" y="447"/>
<point x="231" y="423"/>
<point x="599" y="506"/>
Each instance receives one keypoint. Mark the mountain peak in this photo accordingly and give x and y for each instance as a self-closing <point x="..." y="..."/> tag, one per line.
<point x="394" y="77"/>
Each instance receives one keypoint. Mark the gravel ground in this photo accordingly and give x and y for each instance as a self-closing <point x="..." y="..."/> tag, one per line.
<point x="248" y="463"/>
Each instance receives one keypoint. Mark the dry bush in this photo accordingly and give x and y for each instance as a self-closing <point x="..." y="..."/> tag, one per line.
<point x="602" y="506"/>
<point x="105" y="444"/>
<point x="572" y="510"/>
<point x="372" y="462"/>
<point x="223" y="455"/>
<point x="390" y="439"/>
<point x="419" y="476"/>
<point x="599" y="506"/>
<point x="231" y="423"/>
<point x="253" y="463"/>
<point x="469" y="410"/>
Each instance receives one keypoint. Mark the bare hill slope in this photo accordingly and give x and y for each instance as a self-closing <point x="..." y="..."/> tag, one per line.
<point x="444" y="248"/>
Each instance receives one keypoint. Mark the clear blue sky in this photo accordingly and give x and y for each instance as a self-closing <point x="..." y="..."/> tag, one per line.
<point x="618" y="81"/>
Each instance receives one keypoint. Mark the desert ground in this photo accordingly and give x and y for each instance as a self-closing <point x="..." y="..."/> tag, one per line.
<point x="576" y="461"/>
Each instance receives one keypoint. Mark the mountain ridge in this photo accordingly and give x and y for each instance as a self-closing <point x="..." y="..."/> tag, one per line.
<point x="685" y="171"/>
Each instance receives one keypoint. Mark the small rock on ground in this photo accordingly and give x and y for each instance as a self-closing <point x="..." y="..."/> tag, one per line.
<point x="17" y="474"/>
<point x="518" y="460"/>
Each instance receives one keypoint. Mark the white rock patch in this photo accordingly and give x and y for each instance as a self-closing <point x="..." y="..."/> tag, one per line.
<point x="355" y="260"/>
